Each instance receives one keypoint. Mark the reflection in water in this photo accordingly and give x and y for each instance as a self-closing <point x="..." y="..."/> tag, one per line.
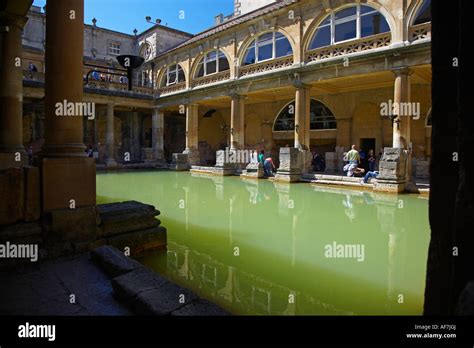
<point x="281" y="231"/>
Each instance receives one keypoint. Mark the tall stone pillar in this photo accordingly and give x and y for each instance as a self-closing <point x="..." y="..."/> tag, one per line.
<point x="395" y="167"/>
<point x="237" y="122"/>
<point x="68" y="175"/>
<point x="12" y="152"/>
<point x="110" y="137"/>
<point x="296" y="161"/>
<point x="302" y="116"/>
<point x="157" y="133"/>
<point x="401" y="124"/>
<point x="192" y="134"/>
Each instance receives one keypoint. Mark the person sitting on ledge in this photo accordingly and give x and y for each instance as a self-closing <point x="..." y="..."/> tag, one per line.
<point x="268" y="166"/>
<point x="369" y="175"/>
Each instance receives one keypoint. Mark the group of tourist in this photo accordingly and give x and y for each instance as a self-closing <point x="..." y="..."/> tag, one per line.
<point x="97" y="76"/>
<point x="360" y="164"/>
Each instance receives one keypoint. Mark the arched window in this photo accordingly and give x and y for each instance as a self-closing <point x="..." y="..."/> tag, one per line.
<point x="423" y="14"/>
<point x="174" y="75"/>
<point x="267" y="46"/>
<point x="350" y="23"/>
<point x="321" y="117"/>
<point x="213" y="62"/>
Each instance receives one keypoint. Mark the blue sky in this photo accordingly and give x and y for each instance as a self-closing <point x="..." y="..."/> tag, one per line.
<point x="125" y="15"/>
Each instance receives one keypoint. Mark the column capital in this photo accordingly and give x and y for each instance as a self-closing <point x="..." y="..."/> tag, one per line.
<point x="300" y="85"/>
<point x="235" y="95"/>
<point x="402" y="71"/>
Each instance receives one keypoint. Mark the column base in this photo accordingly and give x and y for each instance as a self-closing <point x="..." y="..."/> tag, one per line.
<point x="193" y="157"/>
<point x="293" y="163"/>
<point x="68" y="183"/>
<point x="255" y="170"/>
<point x="180" y="162"/>
<point x="13" y="159"/>
<point x="110" y="163"/>
<point x="392" y="171"/>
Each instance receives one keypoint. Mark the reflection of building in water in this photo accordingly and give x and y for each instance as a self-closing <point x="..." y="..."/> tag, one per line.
<point x="241" y="290"/>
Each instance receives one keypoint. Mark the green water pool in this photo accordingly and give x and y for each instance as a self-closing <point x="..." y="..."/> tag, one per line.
<point x="258" y="247"/>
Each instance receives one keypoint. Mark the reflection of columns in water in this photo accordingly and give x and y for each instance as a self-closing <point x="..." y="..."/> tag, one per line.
<point x="184" y="270"/>
<point x="293" y="239"/>
<point x="231" y="209"/>
<point x="291" y="309"/>
<point x="227" y="292"/>
<point x="186" y="209"/>
<point x="386" y="209"/>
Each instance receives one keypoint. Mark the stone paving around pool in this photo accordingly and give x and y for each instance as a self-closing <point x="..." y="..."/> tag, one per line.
<point x="102" y="282"/>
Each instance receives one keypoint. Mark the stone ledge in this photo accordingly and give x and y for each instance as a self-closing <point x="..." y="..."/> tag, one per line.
<point x="131" y="284"/>
<point x="114" y="262"/>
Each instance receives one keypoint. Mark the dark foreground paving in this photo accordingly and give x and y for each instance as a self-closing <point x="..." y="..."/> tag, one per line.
<point x="103" y="282"/>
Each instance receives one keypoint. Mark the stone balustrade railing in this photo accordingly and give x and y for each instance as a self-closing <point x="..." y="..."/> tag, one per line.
<point x="207" y="80"/>
<point x="173" y="88"/>
<point x="94" y="84"/>
<point x="360" y="45"/>
<point x="266" y="66"/>
<point x="420" y="32"/>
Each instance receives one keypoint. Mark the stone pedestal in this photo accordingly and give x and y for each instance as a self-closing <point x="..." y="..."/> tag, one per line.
<point x="255" y="170"/>
<point x="392" y="169"/>
<point x="179" y="162"/>
<point x="222" y="167"/>
<point x="292" y="164"/>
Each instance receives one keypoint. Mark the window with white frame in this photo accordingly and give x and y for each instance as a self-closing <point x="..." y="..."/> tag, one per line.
<point x="267" y="46"/>
<point x="350" y="23"/>
<point x="213" y="62"/>
<point x="174" y="75"/>
<point x="114" y="48"/>
<point x="424" y="13"/>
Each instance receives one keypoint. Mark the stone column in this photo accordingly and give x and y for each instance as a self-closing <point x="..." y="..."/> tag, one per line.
<point x="12" y="152"/>
<point x="237" y="122"/>
<point x="192" y="133"/>
<point x="302" y="117"/>
<point x="110" y="137"/>
<point x="157" y="133"/>
<point x="401" y="124"/>
<point x="68" y="175"/>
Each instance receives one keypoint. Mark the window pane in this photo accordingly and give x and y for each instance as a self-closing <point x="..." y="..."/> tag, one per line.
<point x="424" y="13"/>
<point x="285" y="120"/>
<point x="223" y="64"/>
<point x="250" y="56"/>
<point x="326" y="21"/>
<point x="181" y="77"/>
<point x="351" y="11"/>
<point x="322" y="38"/>
<point x="212" y="56"/>
<point x="265" y="52"/>
<point x="200" y="70"/>
<point x="345" y="31"/>
<point x="283" y="47"/>
<point x="211" y="67"/>
<point x="265" y="39"/>
<point x="366" y="9"/>
<point x="172" y="77"/>
<point x="372" y="24"/>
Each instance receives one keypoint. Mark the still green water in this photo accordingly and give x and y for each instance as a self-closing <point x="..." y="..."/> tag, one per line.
<point x="257" y="247"/>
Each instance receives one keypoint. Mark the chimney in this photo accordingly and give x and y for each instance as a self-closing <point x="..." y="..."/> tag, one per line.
<point x="219" y="19"/>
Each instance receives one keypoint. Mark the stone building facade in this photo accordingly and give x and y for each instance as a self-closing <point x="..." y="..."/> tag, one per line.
<point x="312" y="75"/>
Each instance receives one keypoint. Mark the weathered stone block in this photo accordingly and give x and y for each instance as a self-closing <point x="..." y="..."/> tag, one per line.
<point x="200" y="307"/>
<point x="255" y="170"/>
<point x="140" y="241"/>
<point x="22" y="233"/>
<point x="179" y="162"/>
<point x="422" y="169"/>
<point x="117" y="218"/>
<point x="73" y="225"/>
<point x="129" y="285"/>
<point x="162" y="301"/>
<point x="66" y="179"/>
<point x="113" y="261"/>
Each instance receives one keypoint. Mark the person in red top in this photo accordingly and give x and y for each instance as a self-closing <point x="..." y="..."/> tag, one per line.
<point x="268" y="166"/>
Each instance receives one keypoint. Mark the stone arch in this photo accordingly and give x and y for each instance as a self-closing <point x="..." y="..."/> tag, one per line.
<point x="201" y="56"/>
<point x="246" y="43"/>
<point x="313" y="27"/>
<point x="162" y="73"/>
